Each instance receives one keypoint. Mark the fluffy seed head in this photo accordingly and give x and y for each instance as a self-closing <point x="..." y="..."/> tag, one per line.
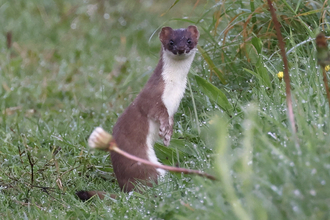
<point x="99" y="139"/>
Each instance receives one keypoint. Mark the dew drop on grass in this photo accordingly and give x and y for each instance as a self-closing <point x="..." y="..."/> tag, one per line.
<point x="295" y="208"/>
<point x="312" y="192"/>
<point x="275" y="189"/>
<point x="122" y="21"/>
<point x="73" y="26"/>
<point x="106" y="16"/>
<point x="313" y="171"/>
<point x="296" y="192"/>
<point x="272" y="135"/>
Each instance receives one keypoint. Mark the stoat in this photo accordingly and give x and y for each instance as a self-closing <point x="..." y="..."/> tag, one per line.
<point x="151" y="113"/>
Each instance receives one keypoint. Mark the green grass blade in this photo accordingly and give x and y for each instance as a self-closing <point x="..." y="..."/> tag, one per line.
<point x="214" y="94"/>
<point x="211" y="64"/>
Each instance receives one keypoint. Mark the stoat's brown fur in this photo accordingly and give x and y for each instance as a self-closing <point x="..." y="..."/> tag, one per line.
<point x="151" y="113"/>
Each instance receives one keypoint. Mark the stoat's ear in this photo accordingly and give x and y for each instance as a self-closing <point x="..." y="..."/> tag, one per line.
<point x="194" y="31"/>
<point x="165" y="34"/>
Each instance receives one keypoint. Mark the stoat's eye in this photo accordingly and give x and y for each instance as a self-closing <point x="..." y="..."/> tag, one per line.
<point x="171" y="42"/>
<point x="189" y="41"/>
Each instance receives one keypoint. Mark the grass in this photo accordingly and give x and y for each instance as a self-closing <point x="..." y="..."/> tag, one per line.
<point x="76" y="65"/>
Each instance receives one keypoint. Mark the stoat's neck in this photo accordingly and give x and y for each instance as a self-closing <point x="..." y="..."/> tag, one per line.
<point x="174" y="73"/>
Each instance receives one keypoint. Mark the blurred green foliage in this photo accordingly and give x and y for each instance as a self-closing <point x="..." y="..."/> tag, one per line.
<point x="69" y="66"/>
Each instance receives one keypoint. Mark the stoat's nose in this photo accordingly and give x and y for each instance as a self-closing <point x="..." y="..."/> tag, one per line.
<point x="181" y="50"/>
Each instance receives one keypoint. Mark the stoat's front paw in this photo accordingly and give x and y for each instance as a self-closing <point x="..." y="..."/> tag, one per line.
<point x="162" y="131"/>
<point x="99" y="139"/>
<point x="167" y="140"/>
<point x="166" y="133"/>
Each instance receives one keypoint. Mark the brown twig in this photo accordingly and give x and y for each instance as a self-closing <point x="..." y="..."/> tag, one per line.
<point x="102" y="140"/>
<point x="113" y="147"/>
<point x="9" y="37"/>
<point x="31" y="165"/>
<point x="286" y="69"/>
<point x="323" y="59"/>
<point x="325" y="80"/>
<point x="58" y="179"/>
<point x="28" y="204"/>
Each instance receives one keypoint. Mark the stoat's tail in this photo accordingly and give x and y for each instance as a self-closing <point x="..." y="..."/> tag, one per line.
<point x="86" y="195"/>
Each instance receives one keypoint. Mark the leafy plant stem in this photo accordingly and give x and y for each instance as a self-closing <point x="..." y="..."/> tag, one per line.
<point x="286" y="69"/>
<point x="325" y="80"/>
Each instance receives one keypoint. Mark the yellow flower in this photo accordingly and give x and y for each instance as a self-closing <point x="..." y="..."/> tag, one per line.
<point x="280" y="75"/>
<point x="327" y="67"/>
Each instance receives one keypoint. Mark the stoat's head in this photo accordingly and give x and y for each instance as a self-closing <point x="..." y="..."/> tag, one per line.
<point x="179" y="42"/>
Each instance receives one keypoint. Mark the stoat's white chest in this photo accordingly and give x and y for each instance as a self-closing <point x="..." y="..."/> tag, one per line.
<point x="174" y="74"/>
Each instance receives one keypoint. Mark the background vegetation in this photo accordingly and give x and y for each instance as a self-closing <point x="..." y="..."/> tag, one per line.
<point x="69" y="66"/>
